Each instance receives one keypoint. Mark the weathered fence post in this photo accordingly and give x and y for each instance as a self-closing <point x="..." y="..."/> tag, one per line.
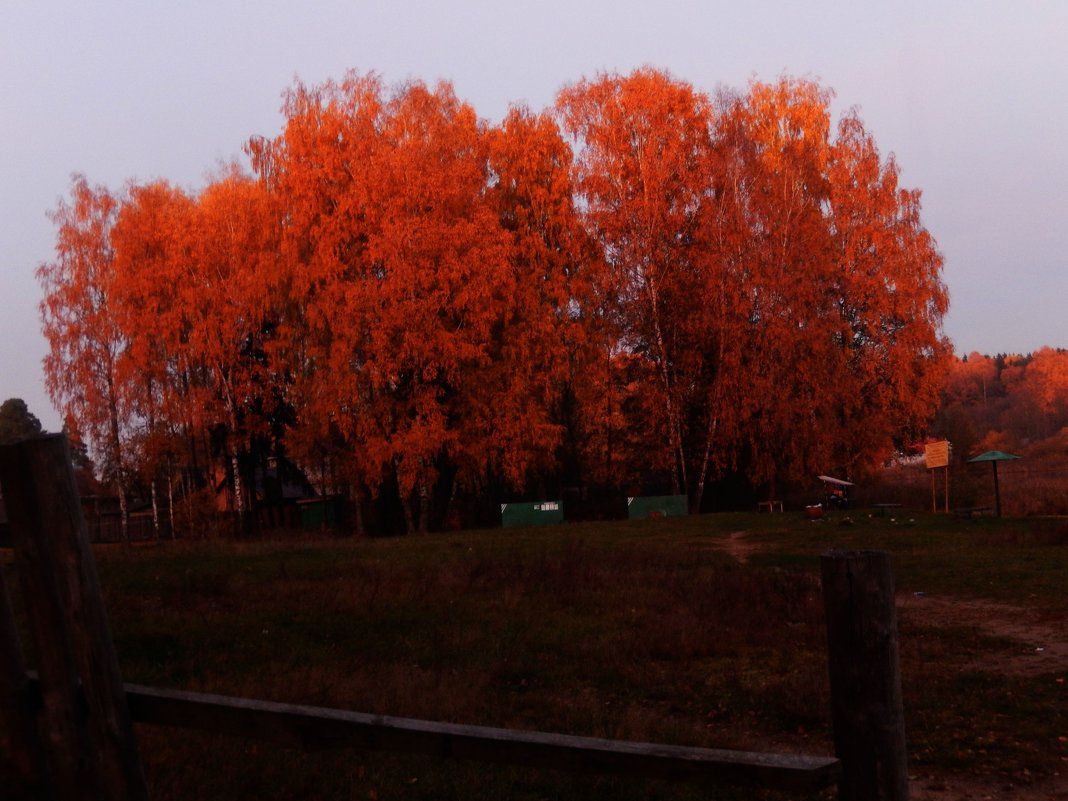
<point x="22" y="766"/>
<point x="869" y="728"/>
<point x="90" y="741"/>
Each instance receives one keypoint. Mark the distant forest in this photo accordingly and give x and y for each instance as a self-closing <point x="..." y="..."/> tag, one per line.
<point x="1008" y="403"/>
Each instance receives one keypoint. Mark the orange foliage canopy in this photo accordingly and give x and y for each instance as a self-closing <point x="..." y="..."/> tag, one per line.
<point x="79" y="320"/>
<point x="844" y="284"/>
<point x="774" y="281"/>
<point x="643" y="280"/>
<point x="430" y="260"/>
<point x="643" y="174"/>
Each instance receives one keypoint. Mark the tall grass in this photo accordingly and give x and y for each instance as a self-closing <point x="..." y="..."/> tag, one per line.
<point x="566" y="629"/>
<point x="645" y="631"/>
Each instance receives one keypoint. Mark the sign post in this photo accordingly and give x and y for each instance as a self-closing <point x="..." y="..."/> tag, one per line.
<point x="937" y="455"/>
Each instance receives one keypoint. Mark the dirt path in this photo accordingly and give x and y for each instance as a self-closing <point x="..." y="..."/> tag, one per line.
<point x="1040" y="644"/>
<point x="1037" y="645"/>
<point x="740" y="546"/>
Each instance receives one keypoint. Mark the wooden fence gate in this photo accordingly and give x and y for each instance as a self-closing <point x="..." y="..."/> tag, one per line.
<point x="66" y="733"/>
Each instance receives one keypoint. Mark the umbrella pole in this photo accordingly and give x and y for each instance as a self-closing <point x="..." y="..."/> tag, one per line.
<point x="997" y="491"/>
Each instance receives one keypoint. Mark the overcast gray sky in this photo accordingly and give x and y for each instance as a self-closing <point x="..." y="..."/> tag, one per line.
<point x="971" y="96"/>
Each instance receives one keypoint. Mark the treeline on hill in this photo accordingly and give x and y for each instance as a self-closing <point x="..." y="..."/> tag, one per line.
<point x="643" y="285"/>
<point x="1017" y="404"/>
<point x="1012" y="403"/>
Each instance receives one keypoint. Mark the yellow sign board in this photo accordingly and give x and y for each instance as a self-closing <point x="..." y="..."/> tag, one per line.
<point x="937" y="454"/>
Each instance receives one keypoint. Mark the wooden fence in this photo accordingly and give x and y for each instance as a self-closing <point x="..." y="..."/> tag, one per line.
<point x="85" y="712"/>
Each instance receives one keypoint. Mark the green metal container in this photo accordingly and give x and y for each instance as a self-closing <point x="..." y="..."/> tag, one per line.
<point x="543" y="513"/>
<point x="316" y="513"/>
<point x="657" y="506"/>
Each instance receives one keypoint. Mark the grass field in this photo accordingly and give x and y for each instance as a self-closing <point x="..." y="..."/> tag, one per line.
<point x="705" y="630"/>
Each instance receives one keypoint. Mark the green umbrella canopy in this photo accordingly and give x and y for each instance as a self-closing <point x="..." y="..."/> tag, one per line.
<point x="993" y="456"/>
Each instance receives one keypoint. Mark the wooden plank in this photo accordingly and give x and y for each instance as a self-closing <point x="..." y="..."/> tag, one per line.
<point x="316" y="728"/>
<point x="90" y="742"/>
<point x="866" y="705"/>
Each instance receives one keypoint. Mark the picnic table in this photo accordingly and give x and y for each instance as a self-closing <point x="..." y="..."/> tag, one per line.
<point x="770" y="506"/>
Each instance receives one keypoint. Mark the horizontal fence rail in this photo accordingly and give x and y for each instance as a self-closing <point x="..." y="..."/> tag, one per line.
<point x="318" y="728"/>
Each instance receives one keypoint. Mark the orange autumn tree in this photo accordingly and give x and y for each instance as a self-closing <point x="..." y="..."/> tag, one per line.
<point x="151" y="238"/>
<point x="318" y="174"/>
<point x="1046" y="380"/>
<point x="776" y="135"/>
<point x="442" y="265"/>
<point x="890" y="302"/>
<point x="405" y="291"/>
<point x="844" y="345"/>
<point x="86" y="343"/>
<point x="231" y="295"/>
<point x="642" y="177"/>
<point x="194" y="281"/>
<point x="525" y="417"/>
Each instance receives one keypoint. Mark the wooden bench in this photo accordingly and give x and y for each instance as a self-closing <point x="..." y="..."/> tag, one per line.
<point x="769" y="506"/>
